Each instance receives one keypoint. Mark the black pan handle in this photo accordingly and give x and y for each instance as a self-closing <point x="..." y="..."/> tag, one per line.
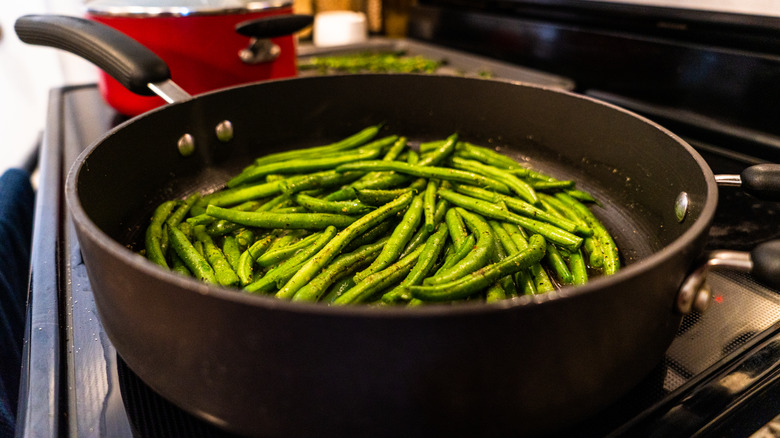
<point x="766" y="263"/>
<point x="274" y="26"/>
<point x="125" y="59"/>
<point x="762" y="181"/>
<point x="763" y="263"/>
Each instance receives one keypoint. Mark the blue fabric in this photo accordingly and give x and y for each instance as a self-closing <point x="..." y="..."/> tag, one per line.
<point x="16" y="218"/>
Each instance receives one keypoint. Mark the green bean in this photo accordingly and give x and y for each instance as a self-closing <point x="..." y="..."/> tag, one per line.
<point x="551" y="185"/>
<point x="245" y="269"/>
<point x="440" y="153"/>
<point x="484" y="277"/>
<point x="337" y="207"/>
<point x="379" y="281"/>
<point x="194" y="261"/>
<point x="395" y="150"/>
<point x="237" y="195"/>
<point x="181" y="211"/>
<point x="278" y="253"/>
<point x="593" y="249"/>
<point x="551" y="232"/>
<point x="398" y="239"/>
<point x="154" y="233"/>
<point x="355" y="229"/>
<point x="350" y="142"/>
<point x="378" y="197"/>
<point x="581" y="196"/>
<point x="523" y="278"/>
<point x="338" y="289"/>
<point x="495" y="293"/>
<point x="458" y="231"/>
<point x="479" y="256"/>
<point x="444" y="173"/>
<point x="600" y="233"/>
<point x="422" y="234"/>
<point x="342" y="266"/>
<point x="558" y="265"/>
<point x="457" y="253"/>
<point x="590" y="246"/>
<point x="198" y="245"/>
<point x="427" y="146"/>
<point x="222" y="270"/>
<point x="541" y="279"/>
<point x="392" y="154"/>
<point x="317" y="180"/>
<point x="579" y="270"/>
<point x="267" y="219"/>
<point x="244" y="237"/>
<point x="301" y="165"/>
<point x="412" y="157"/>
<point x="186" y="229"/>
<point x="488" y="156"/>
<point x="231" y="250"/>
<point x="372" y="235"/>
<point x="425" y="263"/>
<point x="518" y="186"/>
<point x="285" y="271"/>
<point x="204" y="219"/>
<point x="383" y="180"/>
<point x="177" y="265"/>
<point x="429" y="204"/>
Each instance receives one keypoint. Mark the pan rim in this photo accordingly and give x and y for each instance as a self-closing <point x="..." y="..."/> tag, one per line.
<point x="700" y="226"/>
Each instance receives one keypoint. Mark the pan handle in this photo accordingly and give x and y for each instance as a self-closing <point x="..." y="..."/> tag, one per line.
<point x="761" y="181"/>
<point x="763" y="262"/>
<point x="132" y="64"/>
<point x="274" y="26"/>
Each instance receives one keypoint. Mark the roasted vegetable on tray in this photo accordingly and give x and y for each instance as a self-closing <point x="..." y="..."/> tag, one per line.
<point x="373" y="220"/>
<point x="370" y="62"/>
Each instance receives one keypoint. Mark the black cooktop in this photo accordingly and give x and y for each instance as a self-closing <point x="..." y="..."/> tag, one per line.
<point x="718" y="378"/>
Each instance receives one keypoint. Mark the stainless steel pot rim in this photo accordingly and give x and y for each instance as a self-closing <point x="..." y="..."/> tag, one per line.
<point x="151" y="9"/>
<point x="682" y="243"/>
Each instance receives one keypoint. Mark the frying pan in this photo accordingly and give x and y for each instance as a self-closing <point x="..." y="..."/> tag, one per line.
<point x="260" y="366"/>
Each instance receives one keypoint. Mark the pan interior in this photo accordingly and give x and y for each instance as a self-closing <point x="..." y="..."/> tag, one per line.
<point x="633" y="167"/>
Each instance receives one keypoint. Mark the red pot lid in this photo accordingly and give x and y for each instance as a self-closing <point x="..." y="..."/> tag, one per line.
<point x="155" y="8"/>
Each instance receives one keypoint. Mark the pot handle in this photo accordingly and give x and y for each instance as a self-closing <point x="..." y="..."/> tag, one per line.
<point x="763" y="262"/>
<point x="132" y="64"/>
<point x="761" y="181"/>
<point x="274" y="26"/>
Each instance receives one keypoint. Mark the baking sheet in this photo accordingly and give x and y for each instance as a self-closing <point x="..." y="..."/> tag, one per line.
<point x="455" y="63"/>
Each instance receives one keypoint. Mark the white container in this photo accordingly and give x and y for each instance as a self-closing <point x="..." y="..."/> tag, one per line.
<point x="338" y="28"/>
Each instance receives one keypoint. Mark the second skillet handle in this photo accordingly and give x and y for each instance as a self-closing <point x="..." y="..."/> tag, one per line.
<point x="123" y="58"/>
<point x="762" y="181"/>
<point x="274" y="26"/>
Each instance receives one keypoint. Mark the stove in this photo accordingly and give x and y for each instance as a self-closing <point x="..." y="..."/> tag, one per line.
<point x="720" y="377"/>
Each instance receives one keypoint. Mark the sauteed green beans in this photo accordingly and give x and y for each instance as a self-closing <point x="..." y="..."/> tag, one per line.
<point x="379" y="221"/>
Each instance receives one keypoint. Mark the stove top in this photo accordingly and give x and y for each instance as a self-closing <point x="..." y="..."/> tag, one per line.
<point x="719" y="377"/>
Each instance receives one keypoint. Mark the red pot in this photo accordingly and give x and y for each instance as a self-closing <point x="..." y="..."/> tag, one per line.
<point x="201" y="44"/>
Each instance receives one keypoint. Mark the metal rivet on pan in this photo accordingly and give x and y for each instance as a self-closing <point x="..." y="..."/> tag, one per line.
<point x="681" y="206"/>
<point x="225" y="131"/>
<point x="186" y="145"/>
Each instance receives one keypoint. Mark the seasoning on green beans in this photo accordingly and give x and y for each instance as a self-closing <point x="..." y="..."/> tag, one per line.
<point x="373" y="220"/>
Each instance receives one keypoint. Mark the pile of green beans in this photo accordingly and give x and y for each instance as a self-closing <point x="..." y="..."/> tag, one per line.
<point x="371" y="219"/>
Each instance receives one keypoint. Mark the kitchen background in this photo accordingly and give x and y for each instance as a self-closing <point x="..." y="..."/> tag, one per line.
<point x="28" y="73"/>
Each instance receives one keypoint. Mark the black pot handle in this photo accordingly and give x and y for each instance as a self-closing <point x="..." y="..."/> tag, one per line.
<point x="762" y="181"/>
<point x="126" y="60"/>
<point x="763" y="263"/>
<point x="274" y="26"/>
<point x="766" y="263"/>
